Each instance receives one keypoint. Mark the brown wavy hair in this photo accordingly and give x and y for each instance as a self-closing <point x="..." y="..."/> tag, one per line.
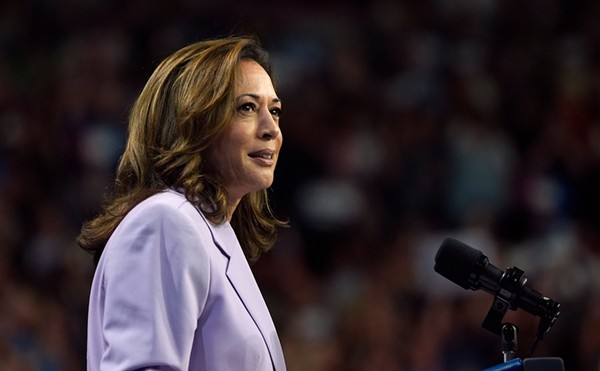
<point x="186" y="104"/>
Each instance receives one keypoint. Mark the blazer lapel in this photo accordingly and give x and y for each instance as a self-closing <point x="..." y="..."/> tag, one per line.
<point x="242" y="279"/>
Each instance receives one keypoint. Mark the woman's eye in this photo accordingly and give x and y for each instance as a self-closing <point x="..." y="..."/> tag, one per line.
<point x="247" y="107"/>
<point x="276" y="112"/>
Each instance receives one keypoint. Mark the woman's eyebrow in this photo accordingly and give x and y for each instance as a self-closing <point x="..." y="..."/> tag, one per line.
<point x="257" y="97"/>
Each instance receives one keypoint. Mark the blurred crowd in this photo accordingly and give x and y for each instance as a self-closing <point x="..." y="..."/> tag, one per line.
<point x="404" y="122"/>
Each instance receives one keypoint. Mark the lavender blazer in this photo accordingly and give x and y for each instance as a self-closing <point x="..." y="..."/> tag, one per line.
<point x="173" y="291"/>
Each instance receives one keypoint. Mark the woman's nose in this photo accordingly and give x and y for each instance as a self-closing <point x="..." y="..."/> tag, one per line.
<point x="268" y="126"/>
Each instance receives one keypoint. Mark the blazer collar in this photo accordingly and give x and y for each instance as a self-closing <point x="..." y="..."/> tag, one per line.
<point x="242" y="279"/>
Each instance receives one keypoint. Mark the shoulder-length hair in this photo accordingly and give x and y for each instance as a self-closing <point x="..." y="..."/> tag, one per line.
<point x="186" y="104"/>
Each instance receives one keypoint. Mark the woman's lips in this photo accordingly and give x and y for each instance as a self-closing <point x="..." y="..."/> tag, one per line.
<point x="264" y="157"/>
<point x="263" y="153"/>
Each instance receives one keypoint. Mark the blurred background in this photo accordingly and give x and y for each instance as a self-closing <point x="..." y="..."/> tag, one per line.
<point x="405" y="122"/>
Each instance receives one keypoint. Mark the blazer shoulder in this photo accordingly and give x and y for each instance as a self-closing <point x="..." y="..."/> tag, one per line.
<point x="167" y="199"/>
<point x="166" y="219"/>
<point x="163" y="211"/>
<point x="165" y="202"/>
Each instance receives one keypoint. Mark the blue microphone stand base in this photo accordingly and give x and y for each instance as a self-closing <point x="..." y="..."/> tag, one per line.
<point x="515" y="364"/>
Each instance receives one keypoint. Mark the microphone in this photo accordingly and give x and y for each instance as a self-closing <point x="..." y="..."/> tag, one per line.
<point x="470" y="269"/>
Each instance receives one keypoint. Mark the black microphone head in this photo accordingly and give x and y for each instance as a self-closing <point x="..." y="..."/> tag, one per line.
<point x="458" y="262"/>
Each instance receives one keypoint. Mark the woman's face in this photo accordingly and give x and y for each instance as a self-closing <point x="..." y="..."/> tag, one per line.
<point x="245" y="156"/>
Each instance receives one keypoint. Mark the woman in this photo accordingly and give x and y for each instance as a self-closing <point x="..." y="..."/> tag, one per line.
<point x="173" y="289"/>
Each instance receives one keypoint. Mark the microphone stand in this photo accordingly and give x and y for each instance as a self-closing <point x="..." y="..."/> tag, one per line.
<point x="508" y="335"/>
<point x="508" y="342"/>
<point x="507" y="331"/>
<point x="501" y="303"/>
